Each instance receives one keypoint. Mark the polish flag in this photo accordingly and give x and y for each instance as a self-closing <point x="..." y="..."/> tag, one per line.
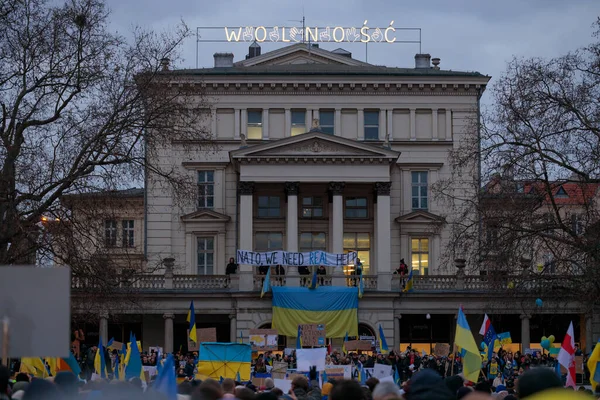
<point x="566" y="356"/>
<point x="485" y="326"/>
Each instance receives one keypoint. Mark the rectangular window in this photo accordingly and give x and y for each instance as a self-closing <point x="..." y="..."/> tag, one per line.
<point x="356" y="207"/>
<point x="420" y="255"/>
<point x="310" y="241"/>
<point x="268" y="241"/>
<point x="254" y="127"/>
<point x="269" y="206"/>
<point x="110" y="233"/>
<point x="298" y="122"/>
<point x="419" y="190"/>
<point x="361" y="243"/>
<point x="371" y="125"/>
<point x="206" y="255"/>
<point x="206" y="189"/>
<point x="128" y="233"/>
<point x="312" y="207"/>
<point x="327" y="121"/>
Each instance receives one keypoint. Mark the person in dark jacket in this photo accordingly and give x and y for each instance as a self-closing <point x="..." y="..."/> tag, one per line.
<point x="189" y="368"/>
<point x="231" y="267"/>
<point x="428" y="385"/>
<point x="303" y="391"/>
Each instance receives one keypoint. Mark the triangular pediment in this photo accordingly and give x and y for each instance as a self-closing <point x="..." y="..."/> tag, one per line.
<point x="420" y="216"/>
<point x="205" y="216"/>
<point x="300" y="53"/>
<point x="315" y="145"/>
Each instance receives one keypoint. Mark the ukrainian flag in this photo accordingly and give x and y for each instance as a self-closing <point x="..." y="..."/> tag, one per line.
<point x="266" y="285"/>
<point x="383" y="347"/>
<point x="465" y="340"/>
<point x="299" y="337"/>
<point x="335" y="307"/>
<point x="344" y="345"/>
<point x="593" y="365"/>
<point x="191" y="318"/>
<point x="227" y="360"/>
<point x="408" y="288"/>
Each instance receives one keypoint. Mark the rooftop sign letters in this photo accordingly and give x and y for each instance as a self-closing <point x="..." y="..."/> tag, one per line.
<point x="338" y="34"/>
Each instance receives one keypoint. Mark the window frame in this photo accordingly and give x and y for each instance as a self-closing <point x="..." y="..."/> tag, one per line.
<point x="110" y="239"/>
<point x="128" y="233"/>
<point x="419" y="184"/>
<point x="268" y="248"/>
<point x="367" y="126"/>
<point x="299" y="127"/>
<point x="250" y="125"/>
<point x="367" y="270"/>
<point x="424" y="271"/>
<point x="312" y="207"/>
<point x="259" y="208"/>
<point x="312" y="242"/>
<point x="205" y="186"/>
<point x="205" y="251"/>
<point x="347" y="208"/>
<point x="325" y="128"/>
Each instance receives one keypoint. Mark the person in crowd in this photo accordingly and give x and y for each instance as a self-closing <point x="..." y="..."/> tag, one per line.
<point x="402" y="268"/>
<point x="536" y="380"/>
<point x="228" y="386"/>
<point x="347" y="390"/>
<point x="359" y="268"/>
<point x="386" y="391"/>
<point x="371" y="383"/>
<point x="303" y="391"/>
<point x="4" y="387"/>
<point x="190" y="367"/>
<point x="77" y="338"/>
<point x="231" y="267"/>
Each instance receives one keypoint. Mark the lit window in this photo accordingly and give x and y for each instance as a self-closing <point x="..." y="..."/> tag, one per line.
<point x="268" y="241"/>
<point x="312" y="207"/>
<point x="254" y="128"/>
<point x="206" y="189"/>
<point x="356" y="207"/>
<point x="128" y="233"/>
<point x="206" y="255"/>
<point x="419" y="190"/>
<point x="360" y="243"/>
<point x="371" y="125"/>
<point x="110" y="233"/>
<point x="327" y="121"/>
<point x="420" y="255"/>
<point x="269" y="206"/>
<point x="298" y="122"/>
<point x="312" y="241"/>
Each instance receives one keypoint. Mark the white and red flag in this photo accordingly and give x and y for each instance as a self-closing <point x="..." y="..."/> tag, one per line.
<point x="485" y="326"/>
<point x="566" y="356"/>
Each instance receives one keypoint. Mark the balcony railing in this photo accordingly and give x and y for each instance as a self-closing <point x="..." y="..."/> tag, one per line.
<point x="428" y="283"/>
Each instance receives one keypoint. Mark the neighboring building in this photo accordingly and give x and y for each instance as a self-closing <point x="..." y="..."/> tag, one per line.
<point x="316" y="151"/>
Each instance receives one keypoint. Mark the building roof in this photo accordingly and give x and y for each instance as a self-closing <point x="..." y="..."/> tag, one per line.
<point x="124" y="193"/>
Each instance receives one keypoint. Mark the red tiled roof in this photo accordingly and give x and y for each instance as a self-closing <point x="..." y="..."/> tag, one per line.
<point x="578" y="193"/>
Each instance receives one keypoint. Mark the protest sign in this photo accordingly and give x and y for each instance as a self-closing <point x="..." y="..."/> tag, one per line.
<point x="207" y="335"/>
<point x="263" y="339"/>
<point x="279" y="370"/>
<point x="312" y="258"/>
<point x="347" y="374"/>
<point x="306" y="358"/>
<point x="284" y="384"/>
<point x="191" y="345"/>
<point x="334" y="372"/>
<point x="381" y="371"/>
<point x="355" y="345"/>
<point x="313" y="335"/>
<point x="441" y="349"/>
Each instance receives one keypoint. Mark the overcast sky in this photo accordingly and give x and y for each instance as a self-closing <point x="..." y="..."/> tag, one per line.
<point x="471" y="35"/>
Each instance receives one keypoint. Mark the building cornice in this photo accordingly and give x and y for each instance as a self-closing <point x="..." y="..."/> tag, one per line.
<point x="312" y="160"/>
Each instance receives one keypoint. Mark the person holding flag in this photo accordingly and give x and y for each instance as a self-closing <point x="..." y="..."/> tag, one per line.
<point x="464" y="339"/>
<point x="566" y="356"/>
<point x="383" y="347"/>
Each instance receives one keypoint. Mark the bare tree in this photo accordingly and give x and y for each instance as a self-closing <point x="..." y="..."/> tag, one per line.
<point x="82" y="109"/>
<point x="540" y="149"/>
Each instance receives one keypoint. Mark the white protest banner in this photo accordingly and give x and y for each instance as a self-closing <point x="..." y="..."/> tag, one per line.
<point x="283" y="384"/>
<point x="387" y="379"/>
<point x="347" y="371"/>
<point x="308" y="358"/>
<point x="381" y="371"/>
<point x="287" y="258"/>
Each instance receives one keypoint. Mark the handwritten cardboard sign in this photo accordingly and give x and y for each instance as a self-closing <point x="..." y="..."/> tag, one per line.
<point x="207" y="335"/>
<point x="335" y="373"/>
<point x="355" y="345"/>
<point x="441" y="349"/>
<point x="279" y="370"/>
<point x="313" y="335"/>
<point x="191" y="345"/>
<point x="264" y="339"/>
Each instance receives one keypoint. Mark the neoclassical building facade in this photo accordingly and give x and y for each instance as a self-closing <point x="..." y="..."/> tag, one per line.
<point x="316" y="151"/>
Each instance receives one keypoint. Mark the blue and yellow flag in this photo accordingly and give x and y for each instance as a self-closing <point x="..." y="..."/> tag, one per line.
<point x="465" y="340"/>
<point x="227" y="360"/>
<point x="593" y="365"/>
<point x="408" y="288"/>
<point x="314" y="280"/>
<point x="503" y="339"/>
<point x="344" y="345"/>
<point x="361" y="287"/>
<point x="99" y="361"/>
<point x="266" y="284"/>
<point x="299" y="337"/>
<point x="334" y="307"/>
<point x="191" y="318"/>
<point x="383" y="347"/>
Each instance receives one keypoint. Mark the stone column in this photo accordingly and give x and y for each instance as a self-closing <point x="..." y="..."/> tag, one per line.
<point x="308" y="119"/>
<point x="434" y="124"/>
<point x="413" y="124"/>
<point x="361" y="124"/>
<point x="589" y="334"/>
<point x="265" y="124"/>
<point x="291" y="190"/>
<point x="382" y="124"/>
<point x="233" y="328"/>
<point x="315" y="115"/>
<point x="525" y="333"/>
<point x="103" y="327"/>
<point x="337" y="127"/>
<point x="390" y="123"/>
<point x="169" y="338"/>
<point x="448" y="124"/>
<point x="337" y="190"/>
<point x="236" y="124"/>
<point x="288" y="123"/>
<point x="383" y="245"/>
<point x="246" y="190"/>
<point x="244" y="122"/>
